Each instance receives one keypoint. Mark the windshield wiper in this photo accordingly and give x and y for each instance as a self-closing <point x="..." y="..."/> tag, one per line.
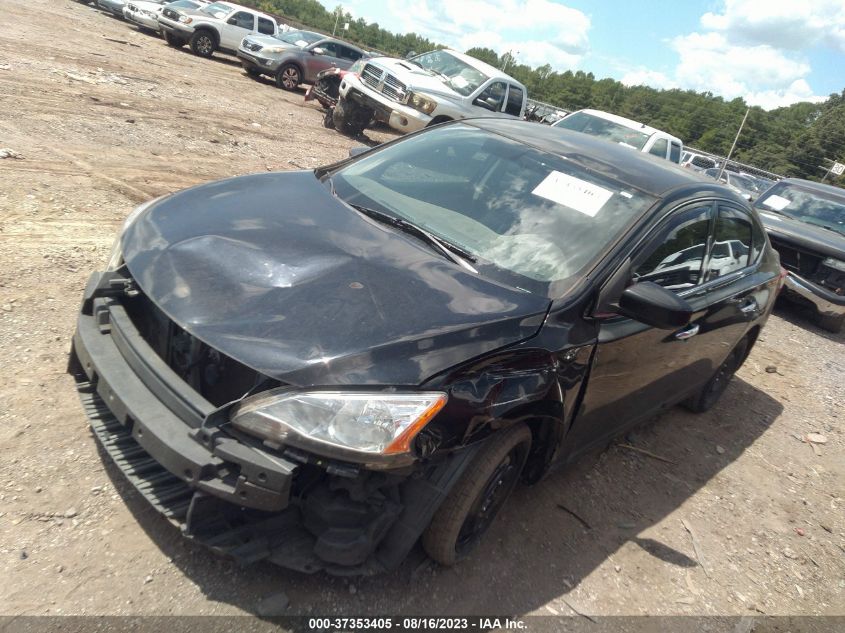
<point x="451" y="251"/>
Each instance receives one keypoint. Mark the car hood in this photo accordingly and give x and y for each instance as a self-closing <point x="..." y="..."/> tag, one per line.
<point x="416" y="78"/>
<point x="814" y="238"/>
<point x="277" y="273"/>
<point x="269" y="40"/>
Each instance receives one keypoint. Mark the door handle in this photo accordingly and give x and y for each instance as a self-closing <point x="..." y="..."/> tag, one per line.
<point x="687" y="332"/>
<point x="750" y="307"/>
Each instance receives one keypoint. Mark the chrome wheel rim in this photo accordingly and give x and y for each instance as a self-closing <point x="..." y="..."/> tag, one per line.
<point x="290" y="78"/>
<point x="204" y="45"/>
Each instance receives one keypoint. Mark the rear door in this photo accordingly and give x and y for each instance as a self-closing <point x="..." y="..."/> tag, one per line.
<point x="237" y="27"/>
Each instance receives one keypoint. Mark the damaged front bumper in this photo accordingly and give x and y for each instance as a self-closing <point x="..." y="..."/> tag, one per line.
<point x="294" y="509"/>
<point x="826" y="302"/>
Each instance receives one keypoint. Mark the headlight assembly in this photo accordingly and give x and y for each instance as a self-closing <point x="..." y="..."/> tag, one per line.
<point x="366" y="424"/>
<point x="422" y="103"/>
<point x="184" y="19"/>
<point x="273" y="49"/>
<point x="115" y="259"/>
<point x="832" y="262"/>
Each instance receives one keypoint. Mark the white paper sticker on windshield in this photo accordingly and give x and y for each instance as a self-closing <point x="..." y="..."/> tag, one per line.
<point x="583" y="196"/>
<point x="776" y="202"/>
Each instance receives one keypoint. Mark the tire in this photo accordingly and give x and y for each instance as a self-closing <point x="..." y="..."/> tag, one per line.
<point x="350" y="118"/>
<point x="710" y="393"/>
<point x="462" y="519"/>
<point x="172" y="40"/>
<point x="830" y="322"/>
<point x="328" y="119"/>
<point x="252" y="71"/>
<point x="288" y="77"/>
<point x="203" y="43"/>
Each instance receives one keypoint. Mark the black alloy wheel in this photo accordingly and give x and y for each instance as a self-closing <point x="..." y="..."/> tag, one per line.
<point x="203" y="44"/>
<point x="288" y="77"/>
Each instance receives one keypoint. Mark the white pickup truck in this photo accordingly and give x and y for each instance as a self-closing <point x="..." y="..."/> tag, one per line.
<point x="618" y="129"/>
<point x="410" y="94"/>
<point x="217" y="26"/>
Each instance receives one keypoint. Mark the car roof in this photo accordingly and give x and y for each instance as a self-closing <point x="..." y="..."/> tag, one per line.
<point x="232" y="5"/>
<point x="650" y="174"/>
<point x="629" y="123"/>
<point x="830" y="190"/>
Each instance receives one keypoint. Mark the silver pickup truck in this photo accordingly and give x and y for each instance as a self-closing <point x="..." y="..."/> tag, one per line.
<point x="439" y="86"/>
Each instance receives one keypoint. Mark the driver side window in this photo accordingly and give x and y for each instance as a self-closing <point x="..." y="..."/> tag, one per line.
<point x="493" y="96"/>
<point x="243" y="20"/>
<point x="676" y="260"/>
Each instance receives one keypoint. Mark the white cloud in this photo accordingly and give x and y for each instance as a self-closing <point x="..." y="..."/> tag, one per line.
<point x="558" y="34"/>
<point x="645" y="77"/>
<point x="784" y="24"/>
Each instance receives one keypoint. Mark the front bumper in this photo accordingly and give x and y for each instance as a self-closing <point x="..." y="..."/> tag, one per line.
<point x="263" y="64"/>
<point x="306" y="513"/>
<point x="401" y="118"/>
<point x="827" y="303"/>
<point x="139" y="19"/>
<point x="112" y="6"/>
<point x="175" y="28"/>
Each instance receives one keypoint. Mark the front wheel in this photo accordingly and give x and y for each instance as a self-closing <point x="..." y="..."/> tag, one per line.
<point x="350" y="118"/>
<point x="172" y="40"/>
<point x="476" y="499"/>
<point x="203" y="44"/>
<point x="831" y="322"/>
<point x="288" y="77"/>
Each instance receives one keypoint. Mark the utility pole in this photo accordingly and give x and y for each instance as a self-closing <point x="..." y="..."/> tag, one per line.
<point x="336" y="20"/>
<point x="736" y="138"/>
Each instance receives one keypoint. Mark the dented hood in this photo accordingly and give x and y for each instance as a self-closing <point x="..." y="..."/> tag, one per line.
<point x="277" y="273"/>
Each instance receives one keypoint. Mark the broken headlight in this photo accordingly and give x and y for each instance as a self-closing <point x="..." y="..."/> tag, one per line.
<point x="115" y="259"/>
<point x="365" y="423"/>
<point x="832" y="262"/>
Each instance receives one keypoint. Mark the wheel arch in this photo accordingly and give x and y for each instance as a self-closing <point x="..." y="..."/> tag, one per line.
<point x="209" y="29"/>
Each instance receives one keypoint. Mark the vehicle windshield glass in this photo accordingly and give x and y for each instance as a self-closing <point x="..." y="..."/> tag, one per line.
<point x="596" y="126"/>
<point x="813" y="207"/>
<point x="300" y="38"/>
<point x="217" y="9"/>
<point x="530" y="219"/>
<point x="744" y="182"/>
<point x="461" y="77"/>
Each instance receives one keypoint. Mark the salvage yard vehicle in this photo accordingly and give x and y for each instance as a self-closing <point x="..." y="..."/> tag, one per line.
<point x="806" y="225"/>
<point x="144" y="13"/>
<point x="217" y="26"/>
<point x="295" y="57"/>
<point x="115" y="7"/>
<point x="410" y="94"/>
<point x="618" y="129"/>
<point x="322" y="368"/>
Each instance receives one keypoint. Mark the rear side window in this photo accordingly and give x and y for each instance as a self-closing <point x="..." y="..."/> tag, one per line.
<point x="514" y="105"/>
<point x="659" y="148"/>
<point x="732" y="243"/>
<point x="675" y="153"/>
<point x="266" y="26"/>
<point x="349" y="53"/>
<point x="243" y="19"/>
<point x="676" y="261"/>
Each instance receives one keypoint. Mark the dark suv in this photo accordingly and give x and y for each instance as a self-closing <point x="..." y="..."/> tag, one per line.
<point x="806" y="225"/>
<point x="321" y="368"/>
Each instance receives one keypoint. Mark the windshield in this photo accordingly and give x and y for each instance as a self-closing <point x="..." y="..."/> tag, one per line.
<point x="529" y="218"/>
<point x="814" y="207"/>
<point x="300" y="38"/>
<point x="745" y="182"/>
<point x="596" y="126"/>
<point x="217" y="9"/>
<point x="461" y="77"/>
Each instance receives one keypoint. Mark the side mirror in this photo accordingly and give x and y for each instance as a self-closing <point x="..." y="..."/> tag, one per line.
<point x="318" y="50"/>
<point x="653" y="305"/>
<point x="489" y="103"/>
<point x="360" y="149"/>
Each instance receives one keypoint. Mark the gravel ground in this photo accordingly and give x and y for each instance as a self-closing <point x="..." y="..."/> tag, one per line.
<point x="744" y="518"/>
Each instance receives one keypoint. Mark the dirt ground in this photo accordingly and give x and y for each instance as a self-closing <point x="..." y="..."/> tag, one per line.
<point x="743" y="517"/>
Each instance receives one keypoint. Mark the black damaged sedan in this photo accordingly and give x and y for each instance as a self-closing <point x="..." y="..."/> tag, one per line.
<point x="323" y="368"/>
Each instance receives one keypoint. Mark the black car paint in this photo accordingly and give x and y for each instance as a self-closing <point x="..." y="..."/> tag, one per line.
<point x="223" y="262"/>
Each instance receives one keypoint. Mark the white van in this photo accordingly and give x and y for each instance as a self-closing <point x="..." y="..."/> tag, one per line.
<point x="624" y="131"/>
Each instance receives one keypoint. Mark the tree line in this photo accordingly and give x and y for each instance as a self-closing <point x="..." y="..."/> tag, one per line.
<point x="798" y="140"/>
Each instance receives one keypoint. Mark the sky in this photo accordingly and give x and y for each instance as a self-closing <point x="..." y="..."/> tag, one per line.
<point x="772" y="53"/>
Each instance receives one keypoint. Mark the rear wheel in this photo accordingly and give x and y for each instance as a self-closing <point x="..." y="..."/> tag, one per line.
<point x="709" y="395"/>
<point x="830" y="322"/>
<point x="203" y="43"/>
<point x="288" y="77"/>
<point x="476" y="499"/>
